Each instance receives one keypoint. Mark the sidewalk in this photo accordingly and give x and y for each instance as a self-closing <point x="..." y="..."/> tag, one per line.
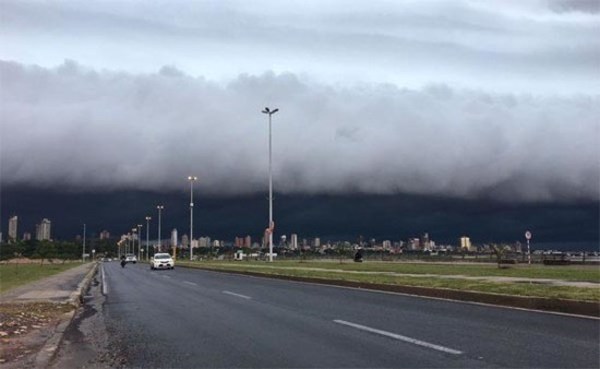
<point x="59" y="288"/>
<point x="43" y="310"/>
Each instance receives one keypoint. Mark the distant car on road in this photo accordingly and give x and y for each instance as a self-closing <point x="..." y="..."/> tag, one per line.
<point x="130" y="258"/>
<point x="162" y="260"/>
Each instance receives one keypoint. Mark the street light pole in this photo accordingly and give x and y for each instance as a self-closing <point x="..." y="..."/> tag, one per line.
<point x="191" y="179"/>
<point x="271" y="224"/>
<point x="83" y="252"/>
<point x="147" y="234"/>
<point x="159" y="207"/>
<point x="139" y="227"/>
<point x="133" y="234"/>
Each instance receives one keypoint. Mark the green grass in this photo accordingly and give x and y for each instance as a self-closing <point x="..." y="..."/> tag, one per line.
<point x="344" y="272"/>
<point x="574" y="273"/>
<point x="14" y="275"/>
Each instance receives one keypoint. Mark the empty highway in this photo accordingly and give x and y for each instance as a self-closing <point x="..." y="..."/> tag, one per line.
<point x="193" y="318"/>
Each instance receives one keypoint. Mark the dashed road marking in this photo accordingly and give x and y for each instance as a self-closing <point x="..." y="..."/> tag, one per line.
<point x="191" y="283"/>
<point x="400" y="337"/>
<point x="237" y="295"/>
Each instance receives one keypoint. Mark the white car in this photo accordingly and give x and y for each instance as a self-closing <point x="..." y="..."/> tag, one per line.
<point x="162" y="260"/>
<point x="131" y="258"/>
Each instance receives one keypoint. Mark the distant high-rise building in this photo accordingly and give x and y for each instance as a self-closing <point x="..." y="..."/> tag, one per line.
<point x="185" y="241"/>
<point x="204" y="241"/>
<point x="424" y="242"/>
<point x="104" y="235"/>
<point x="12" y="228"/>
<point x="413" y="243"/>
<point x="294" y="241"/>
<point x="43" y="230"/>
<point x="465" y="243"/>
<point x="26" y="236"/>
<point x="387" y="244"/>
<point x="317" y="242"/>
<point x="248" y="241"/>
<point x="174" y="237"/>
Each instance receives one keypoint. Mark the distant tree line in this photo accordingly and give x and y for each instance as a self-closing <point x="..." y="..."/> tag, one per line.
<point x="61" y="250"/>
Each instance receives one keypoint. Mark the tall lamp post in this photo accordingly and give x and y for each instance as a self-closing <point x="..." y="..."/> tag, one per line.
<point x="139" y="227"/>
<point x="271" y="224"/>
<point x="191" y="179"/>
<point x="147" y="235"/>
<point x="133" y="235"/>
<point x="83" y="252"/>
<point x="160" y="208"/>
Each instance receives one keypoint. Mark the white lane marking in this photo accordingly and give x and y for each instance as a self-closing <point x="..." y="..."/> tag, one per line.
<point x="400" y="337"/>
<point x="237" y="295"/>
<point x="165" y="276"/>
<point x="104" y="286"/>
<point x="192" y="283"/>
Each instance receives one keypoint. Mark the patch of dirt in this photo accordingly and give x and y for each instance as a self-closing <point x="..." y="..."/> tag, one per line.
<point x="25" y="327"/>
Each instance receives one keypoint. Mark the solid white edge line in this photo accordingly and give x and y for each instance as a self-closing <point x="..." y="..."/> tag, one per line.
<point x="191" y="283"/>
<point x="104" y="286"/>
<point x="400" y="337"/>
<point x="237" y="295"/>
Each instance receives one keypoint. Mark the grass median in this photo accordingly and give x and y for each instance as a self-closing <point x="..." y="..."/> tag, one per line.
<point x="14" y="274"/>
<point x="433" y="276"/>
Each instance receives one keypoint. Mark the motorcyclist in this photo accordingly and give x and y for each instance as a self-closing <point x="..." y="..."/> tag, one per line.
<point x="123" y="261"/>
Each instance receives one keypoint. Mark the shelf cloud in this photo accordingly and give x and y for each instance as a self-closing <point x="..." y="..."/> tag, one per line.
<point x="83" y="128"/>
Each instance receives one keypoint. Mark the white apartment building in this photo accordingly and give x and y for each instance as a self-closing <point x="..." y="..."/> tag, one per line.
<point x="12" y="228"/>
<point x="43" y="230"/>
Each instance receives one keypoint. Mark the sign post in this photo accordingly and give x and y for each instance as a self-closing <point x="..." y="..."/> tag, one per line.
<point x="528" y="237"/>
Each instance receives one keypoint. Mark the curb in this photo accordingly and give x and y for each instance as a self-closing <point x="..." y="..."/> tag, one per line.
<point x="48" y="351"/>
<point x="76" y="298"/>
<point x="583" y="308"/>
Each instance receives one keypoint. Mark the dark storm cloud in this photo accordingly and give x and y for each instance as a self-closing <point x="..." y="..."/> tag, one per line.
<point x="80" y="128"/>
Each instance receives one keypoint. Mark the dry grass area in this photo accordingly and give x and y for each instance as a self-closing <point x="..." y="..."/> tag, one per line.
<point x="22" y="327"/>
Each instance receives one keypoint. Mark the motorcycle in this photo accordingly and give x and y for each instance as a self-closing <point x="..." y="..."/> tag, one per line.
<point x="123" y="262"/>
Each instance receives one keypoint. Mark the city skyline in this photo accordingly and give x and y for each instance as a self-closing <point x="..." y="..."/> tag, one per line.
<point x="330" y="217"/>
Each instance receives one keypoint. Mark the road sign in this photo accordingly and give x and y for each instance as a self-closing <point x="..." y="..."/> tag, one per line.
<point x="528" y="235"/>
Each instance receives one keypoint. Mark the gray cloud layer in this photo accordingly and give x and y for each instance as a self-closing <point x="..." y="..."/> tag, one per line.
<point x="79" y="128"/>
<point x="497" y="45"/>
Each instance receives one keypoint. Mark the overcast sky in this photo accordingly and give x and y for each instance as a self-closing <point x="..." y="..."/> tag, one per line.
<point x="495" y="99"/>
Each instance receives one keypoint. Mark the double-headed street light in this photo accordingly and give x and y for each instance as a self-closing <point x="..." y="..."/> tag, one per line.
<point x="147" y="234"/>
<point x="160" y="208"/>
<point x="271" y="224"/>
<point x="191" y="179"/>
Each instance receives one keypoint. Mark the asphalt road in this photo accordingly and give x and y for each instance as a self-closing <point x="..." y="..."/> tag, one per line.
<point x="192" y="318"/>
